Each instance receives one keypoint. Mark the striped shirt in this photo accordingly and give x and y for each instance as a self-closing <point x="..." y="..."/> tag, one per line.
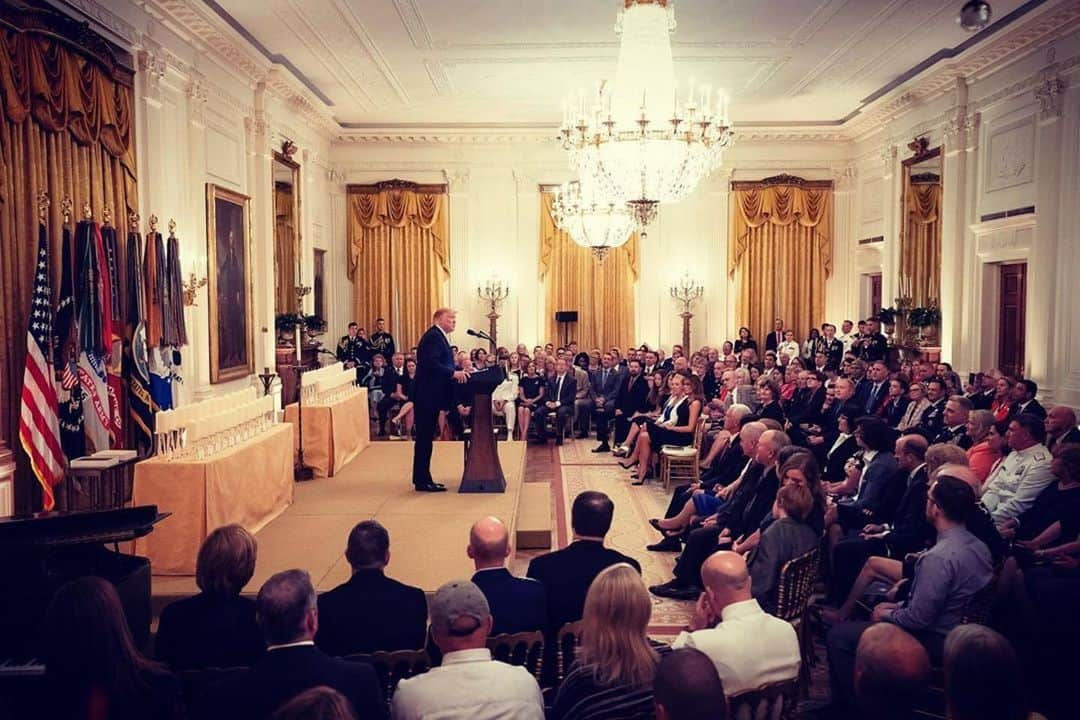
<point x="582" y="697"/>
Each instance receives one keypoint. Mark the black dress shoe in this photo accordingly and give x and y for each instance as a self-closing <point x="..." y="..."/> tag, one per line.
<point x="670" y="544"/>
<point x="676" y="591"/>
<point x="431" y="487"/>
<point x="581" y="436"/>
<point x="603" y="447"/>
<point x="559" y="440"/>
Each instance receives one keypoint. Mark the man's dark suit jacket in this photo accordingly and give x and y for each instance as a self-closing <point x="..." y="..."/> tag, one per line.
<point x="873" y="401"/>
<point x="872" y="504"/>
<point x="209" y="631"/>
<point x="1032" y="408"/>
<point x="982" y="400"/>
<point x="1069" y="438"/>
<point x="726" y="467"/>
<point x="833" y="465"/>
<point x="517" y="604"/>
<point x="632" y="397"/>
<point x="566" y="575"/>
<point x="434" y="370"/>
<point x="771" y="340"/>
<point x="285" y="673"/>
<point x="569" y="390"/>
<point x="371" y="612"/>
<point x="911" y="532"/>
<point x="609" y="390"/>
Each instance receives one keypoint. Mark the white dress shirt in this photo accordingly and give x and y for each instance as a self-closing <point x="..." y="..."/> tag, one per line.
<point x="469" y="684"/>
<point x="749" y="647"/>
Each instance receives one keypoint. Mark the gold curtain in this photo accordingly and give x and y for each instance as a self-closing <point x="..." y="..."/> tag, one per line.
<point x="920" y="252"/>
<point x="399" y="257"/>
<point x="601" y="292"/>
<point x="66" y="129"/>
<point x="780" y="254"/>
<point x="284" y="249"/>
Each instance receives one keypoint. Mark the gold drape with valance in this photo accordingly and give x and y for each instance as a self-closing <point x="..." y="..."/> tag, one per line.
<point x="284" y="249"/>
<point x="601" y="292"/>
<point x="399" y="256"/>
<point x="780" y="254"/>
<point x="920" y="251"/>
<point x="66" y="129"/>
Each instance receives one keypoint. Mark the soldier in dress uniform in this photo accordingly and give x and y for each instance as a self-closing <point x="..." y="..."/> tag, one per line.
<point x="1024" y="473"/>
<point x="355" y="350"/>
<point x="382" y="341"/>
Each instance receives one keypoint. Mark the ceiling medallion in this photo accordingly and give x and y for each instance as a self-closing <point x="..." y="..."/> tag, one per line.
<point x="639" y="140"/>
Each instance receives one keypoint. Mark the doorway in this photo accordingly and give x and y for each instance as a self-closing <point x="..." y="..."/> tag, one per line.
<point x="875" y="294"/>
<point x="1012" y="316"/>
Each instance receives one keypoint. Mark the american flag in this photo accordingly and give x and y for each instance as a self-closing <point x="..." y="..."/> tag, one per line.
<point x="39" y="428"/>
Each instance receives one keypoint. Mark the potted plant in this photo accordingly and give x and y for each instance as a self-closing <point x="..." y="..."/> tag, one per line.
<point x="887" y="316"/>
<point x="315" y="325"/>
<point x="286" y="324"/>
<point x="926" y="319"/>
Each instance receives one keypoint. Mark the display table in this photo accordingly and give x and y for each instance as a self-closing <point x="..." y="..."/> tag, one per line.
<point x="334" y="433"/>
<point x="250" y="484"/>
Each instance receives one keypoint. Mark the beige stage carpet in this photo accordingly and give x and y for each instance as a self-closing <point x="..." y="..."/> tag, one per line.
<point x="428" y="531"/>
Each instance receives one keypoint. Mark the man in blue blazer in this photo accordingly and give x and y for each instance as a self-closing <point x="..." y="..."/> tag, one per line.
<point x="603" y="389"/>
<point x="869" y="504"/>
<point x="559" y="399"/>
<point x="517" y="604"/>
<point x="434" y="390"/>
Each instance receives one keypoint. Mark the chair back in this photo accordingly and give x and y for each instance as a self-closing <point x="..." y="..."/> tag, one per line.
<point x="977" y="609"/>
<point x="699" y="431"/>
<point x="523" y="648"/>
<point x="393" y="666"/>
<point x="775" y="701"/>
<point x="796" y="585"/>
<point x="566" y="644"/>
<point x="204" y="689"/>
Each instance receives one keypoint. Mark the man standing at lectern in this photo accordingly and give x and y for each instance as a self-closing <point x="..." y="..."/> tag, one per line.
<point x="433" y="392"/>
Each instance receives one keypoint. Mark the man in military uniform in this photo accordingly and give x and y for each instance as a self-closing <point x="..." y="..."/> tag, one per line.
<point x="382" y="341"/>
<point x="355" y="351"/>
<point x="1023" y="474"/>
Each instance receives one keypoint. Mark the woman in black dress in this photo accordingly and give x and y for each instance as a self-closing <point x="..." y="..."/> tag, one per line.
<point x="769" y="397"/>
<point x="403" y="421"/>
<point x="530" y="395"/>
<point x="674" y="426"/>
<point x="659" y="392"/>
<point x="745" y="341"/>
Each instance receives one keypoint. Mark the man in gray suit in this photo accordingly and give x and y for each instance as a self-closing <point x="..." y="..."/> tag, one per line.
<point x="604" y="388"/>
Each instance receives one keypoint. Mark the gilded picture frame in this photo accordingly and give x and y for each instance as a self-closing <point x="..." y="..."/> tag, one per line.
<point x="228" y="257"/>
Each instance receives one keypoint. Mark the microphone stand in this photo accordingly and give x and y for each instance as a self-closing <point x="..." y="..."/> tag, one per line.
<point x="301" y="472"/>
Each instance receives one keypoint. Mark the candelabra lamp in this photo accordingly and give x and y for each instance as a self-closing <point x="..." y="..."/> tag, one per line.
<point x="493" y="291"/>
<point x="686" y="290"/>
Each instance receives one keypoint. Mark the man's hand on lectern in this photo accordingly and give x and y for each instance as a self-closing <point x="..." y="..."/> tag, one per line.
<point x="461" y="376"/>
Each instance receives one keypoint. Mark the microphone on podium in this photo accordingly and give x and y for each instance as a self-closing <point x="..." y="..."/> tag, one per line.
<point x="477" y="333"/>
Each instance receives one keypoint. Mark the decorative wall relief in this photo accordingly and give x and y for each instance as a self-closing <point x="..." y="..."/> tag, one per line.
<point x="1011" y="155"/>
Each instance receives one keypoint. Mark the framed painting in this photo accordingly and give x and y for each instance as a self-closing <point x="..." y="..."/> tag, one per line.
<point x="228" y="255"/>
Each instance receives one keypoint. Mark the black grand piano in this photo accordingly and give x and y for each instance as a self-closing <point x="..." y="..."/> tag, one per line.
<point x="39" y="554"/>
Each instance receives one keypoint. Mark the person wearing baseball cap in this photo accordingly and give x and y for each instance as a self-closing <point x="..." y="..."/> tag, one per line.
<point x="468" y="683"/>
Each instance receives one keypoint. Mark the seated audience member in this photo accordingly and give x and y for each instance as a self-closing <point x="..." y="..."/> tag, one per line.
<point x="287" y="613"/>
<point x="370" y="611"/>
<point x="907" y="532"/>
<point x="531" y="388"/>
<point x="933" y="419"/>
<point x="390" y="379"/>
<point x="769" y="406"/>
<point x="1061" y="427"/>
<point x="954" y="423"/>
<point x="217" y="627"/>
<point x="631" y="399"/>
<point x="892" y="671"/>
<point x="687" y="687"/>
<point x="403" y="393"/>
<point x="459" y="416"/>
<point x="504" y="402"/>
<point x="870" y="502"/>
<point x="896" y="403"/>
<point x="725" y="446"/>
<point x="1013" y="486"/>
<point x="787" y="538"/>
<point x="566" y="574"/>
<point x="560" y="395"/>
<point x="373" y="380"/>
<point x="947" y="576"/>
<point x="318" y="703"/>
<point x="838" y="446"/>
<point x="917" y="406"/>
<point x="985" y="451"/>
<point x="92" y="667"/>
<point x="1055" y="517"/>
<point x="516" y="604"/>
<point x="1023" y="399"/>
<point x="612" y="674"/>
<point x="604" y="393"/>
<point x="675" y="426"/>
<point x="468" y="683"/>
<point x="983" y="677"/>
<point x="877" y="392"/>
<point x="749" y="647"/>
<point x="1002" y="404"/>
<point x="583" y="397"/>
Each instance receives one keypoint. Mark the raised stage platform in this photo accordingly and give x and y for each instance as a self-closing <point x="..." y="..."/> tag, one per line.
<point x="428" y="531"/>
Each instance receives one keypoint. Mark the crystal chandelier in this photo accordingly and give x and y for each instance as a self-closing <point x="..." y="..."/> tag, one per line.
<point x="639" y="141"/>
<point x="591" y="220"/>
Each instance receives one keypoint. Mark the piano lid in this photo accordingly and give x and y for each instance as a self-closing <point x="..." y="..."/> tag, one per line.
<point x="80" y="527"/>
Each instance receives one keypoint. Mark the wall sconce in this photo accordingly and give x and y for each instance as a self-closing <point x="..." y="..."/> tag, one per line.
<point x="191" y="287"/>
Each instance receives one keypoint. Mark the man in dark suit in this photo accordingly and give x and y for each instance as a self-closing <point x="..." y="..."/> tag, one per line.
<point x="869" y="502"/>
<point x="292" y="663"/>
<point x="908" y="531"/>
<point x="631" y="397"/>
<point x="933" y="418"/>
<point x="517" y="604"/>
<point x="1023" y="396"/>
<point x="559" y="399"/>
<point x="433" y="390"/>
<point x="773" y="339"/>
<point x="566" y="574"/>
<point x="370" y="611"/>
<point x="878" y="392"/>
<point x="603" y="390"/>
<point x="1061" y="427"/>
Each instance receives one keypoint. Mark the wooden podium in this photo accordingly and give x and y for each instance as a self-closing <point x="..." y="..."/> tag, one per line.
<point x="483" y="472"/>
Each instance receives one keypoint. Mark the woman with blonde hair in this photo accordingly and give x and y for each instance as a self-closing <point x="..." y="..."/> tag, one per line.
<point x="613" y="674"/>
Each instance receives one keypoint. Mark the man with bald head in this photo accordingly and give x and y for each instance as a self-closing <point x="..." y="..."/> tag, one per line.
<point x="749" y="647"/>
<point x="1061" y="427"/>
<point x="517" y="604"/>
<point x="891" y="673"/>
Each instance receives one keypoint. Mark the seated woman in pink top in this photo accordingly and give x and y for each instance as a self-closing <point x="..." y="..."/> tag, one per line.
<point x="988" y="437"/>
